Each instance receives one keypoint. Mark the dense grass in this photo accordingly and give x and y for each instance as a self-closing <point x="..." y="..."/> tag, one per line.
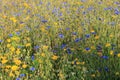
<point x="59" y="40"/>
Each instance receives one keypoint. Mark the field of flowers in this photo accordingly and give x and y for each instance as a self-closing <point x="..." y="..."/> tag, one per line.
<point x="59" y="40"/>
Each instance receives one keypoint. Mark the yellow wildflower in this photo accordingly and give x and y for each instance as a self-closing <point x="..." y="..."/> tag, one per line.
<point x="4" y="61"/>
<point x="6" y="70"/>
<point x="111" y="52"/>
<point x="45" y="47"/>
<point x="13" y="19"/>
<point x="8" y="45"/>
<point x="12" y="49"/>
<point x="17" y="73"/>
<point x="43" y="54"/>
<point x="111" y="36"/>
<point x="8" y="40"/>
<point x="96" y="37"/>
<point x="18" y="51"/>
<point x="17" y="62"/>
<point x="8" y="66"/>
<point x="11" y="74"/>
<point x="24" y="66"/>
<point x="117" y="73"/>
<point x="28" y="44"/>
<point x="107" y="45"/>
<point x="14" y="68"/>
<point x="118" y="54"/>
<point x="93" y="75"/>
<point x="54" y="57"/>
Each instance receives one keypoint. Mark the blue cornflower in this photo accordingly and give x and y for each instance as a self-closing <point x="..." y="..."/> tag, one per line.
<point x="77" y="39"/>
<point x="61" y="35"/>
<point x="17" y="78"/>
<point x="48" y="27"/>
<point x="18" y="33"/>
<point x="74" y="33"/>
<point x="105" y="57"/>
<point x="87" y="35"/>
<point x="68" y="51"/>
<point x="32" y="57"/>
<point x="63" y="45"/>
<point x="36" y="47"/>
<point x="67" y="28"/>
<point x="11" y="35"/>
<point x="99" y="47"/>
<point x="0" y="40"/>
<point x="22" y="75"/>
<point x="44" y="21"/>
<point x="32" y="68"/>
<point x="87" y="49"/>
<point x="106" y="69"/>
<point x="116" y="11"/>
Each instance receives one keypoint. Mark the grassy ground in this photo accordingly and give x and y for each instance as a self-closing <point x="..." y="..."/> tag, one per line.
<point x="59" y="40"/>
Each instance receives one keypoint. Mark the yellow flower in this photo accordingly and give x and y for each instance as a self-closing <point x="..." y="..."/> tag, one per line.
<point x="8" y="40"/>
<point x="93" y="75"/>
<point x="111" y="36"/>
<point x="4" y="61"/>
<point x="12" y="49"/>
<point x="18" y="51"/>
<point x="24" y="66"/>
<point x="45" y="47"/>
<point x="17" y="62"/>
<point x="92" y="31"/>
<point x="43" y="54"/>
<point x="8" y="45"/>
<point x="111" y="52"/>
<point x="14" y="68"/>
<point x="107" y="45"/>
<point x="15" y="38"/>
<point x="117" y="73"/>
<point x="54" y="57"/>
<point x="92" y="47"/>
<point x="96" y="37"/>
<point x="28" y="44"/>
<point x="26" y="5"/>
<point x="11" y="74"/>
<point x="118" y="54"/>
<point x="8" y="66"/>
<point x="17" y="73"/>
<point x="6" y="70"/>
<point x="13" y="19"/>
<point x="77" y="62"/>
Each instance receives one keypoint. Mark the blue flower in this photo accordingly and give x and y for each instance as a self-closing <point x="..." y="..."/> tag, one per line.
<point x="48" y="27"/>
<point x="11" y="35"/>
<point x="18" y="33"/>
<point x="0" y="40"/>
<point x="68" y="51"/>
<point x="36" y="47"/>
<point x="61" y="35"/>
<point x="32" y="57"/>
<point x="67" y="28"/>
<point x="87" y="49"/>
<point x="74" y="33"/>
<point x="77" y="39"/>
<point x="32" y="68"/>
<point x="17" y="78"/>
<point x="106" y="69"/>
<point x="63" y="45"/>
<point x="22" y="75"/>
<point x="87" y="35"/>
<point x="44" y="21"/>
<point x="105" y="57"/>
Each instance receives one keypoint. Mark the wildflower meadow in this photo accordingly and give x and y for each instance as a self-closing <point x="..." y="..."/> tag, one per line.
<point x="59" y="39"/>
